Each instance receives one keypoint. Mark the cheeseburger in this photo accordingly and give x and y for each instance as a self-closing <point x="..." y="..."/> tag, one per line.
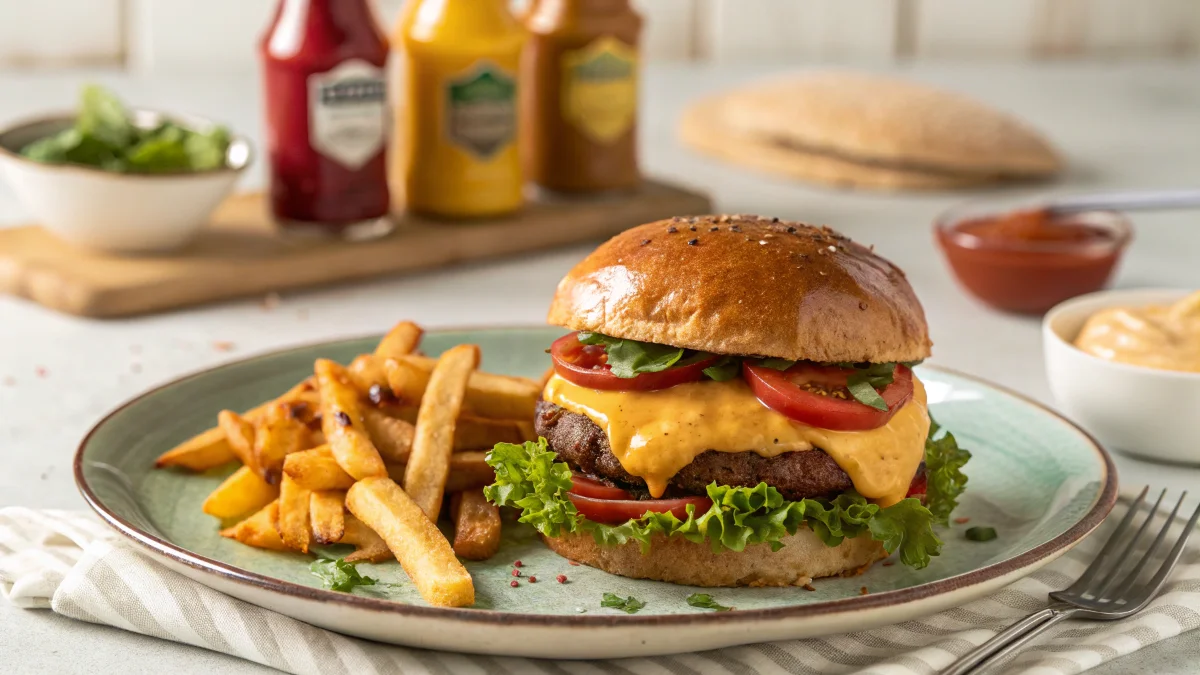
<point x="735" y="405"/>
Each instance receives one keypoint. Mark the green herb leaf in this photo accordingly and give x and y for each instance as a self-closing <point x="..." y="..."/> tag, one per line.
<point x="629" y="605"/>
<point x="864" y="393"/>
<point x="776" y="364"/>
<point x="725" y="369"/>
<point x="105" y="137"/>
<point x="102" y="116"/>
<point x="529" y="478"/>
<point x="981" y="533"/>
<point x="944" y="478"/>
<point x="628" y="358"/>
<point x="339" y="575"/>
<point x="705" y="601"/>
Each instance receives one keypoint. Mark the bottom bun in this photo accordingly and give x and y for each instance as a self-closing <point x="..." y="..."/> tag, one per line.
<point x="803" y="558"/>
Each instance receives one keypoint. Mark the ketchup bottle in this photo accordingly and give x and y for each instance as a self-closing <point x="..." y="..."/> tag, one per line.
<point x="327" y="119"/>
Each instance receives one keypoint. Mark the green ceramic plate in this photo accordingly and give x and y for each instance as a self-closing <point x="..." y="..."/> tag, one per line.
<point x="1039" y="480"/>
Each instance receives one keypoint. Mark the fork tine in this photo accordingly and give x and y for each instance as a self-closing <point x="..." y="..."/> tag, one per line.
<point x="1102" y="557"/>
<point x="1152" y="586"/>
<point x="1162" y="534"/>
<point x="1127" y="554"/>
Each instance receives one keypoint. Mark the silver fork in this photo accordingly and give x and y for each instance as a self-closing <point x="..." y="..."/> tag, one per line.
<point x="1106" y="591"/>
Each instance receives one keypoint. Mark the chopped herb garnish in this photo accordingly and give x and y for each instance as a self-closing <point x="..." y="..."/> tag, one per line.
<point x="339" y="575"/>
<point x="705" y="601"/>
<point x="981" y="533"/>
<point x="866" y="381"/>
<point x="777" y="364"/>
<point x="629" y="605"/>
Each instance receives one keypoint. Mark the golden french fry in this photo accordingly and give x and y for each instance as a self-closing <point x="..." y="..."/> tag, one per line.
<point x="475" y="433"/>
<point x="476" y="525"/>
<point x="367" y="545"/>
<point x="468" y="470"/>
<point x="402" y="339"/>
<point x="210" y="449"/>
<point x="488" y="395"/>
<point x="278" y="434"/>
<point x="259" y="529"/>
<point x="342" y="423"/>
<point x="429" y="462"/>
<point x="326" y="508"/>
<point x="545" y="377"/>
<point x="239" y="433"/>
<point x="241" y="493"/>
<point x="199" y="453"/>
<point x="316" y="469"/>
<point x="416" y="542"/>
<point x="293" y="522"/>
<point x="392" y="437"/>
<point x="366" y="374"/>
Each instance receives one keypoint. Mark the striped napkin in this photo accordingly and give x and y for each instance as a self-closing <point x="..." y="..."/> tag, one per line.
<point x="69" y="562"/>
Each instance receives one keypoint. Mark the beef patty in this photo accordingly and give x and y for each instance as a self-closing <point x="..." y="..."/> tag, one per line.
<point x="797" y="475"/>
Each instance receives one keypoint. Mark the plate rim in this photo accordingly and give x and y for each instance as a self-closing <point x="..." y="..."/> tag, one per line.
<point x="1059" y="544"/>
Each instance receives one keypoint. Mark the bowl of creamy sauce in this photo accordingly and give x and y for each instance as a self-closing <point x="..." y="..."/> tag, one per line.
<point x="1125" y="364"/>
<point x="1165" y="336"/>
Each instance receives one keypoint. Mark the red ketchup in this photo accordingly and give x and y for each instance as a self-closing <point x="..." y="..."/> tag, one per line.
<point x="327" y="119"/>
<point x="1028" y="261"/>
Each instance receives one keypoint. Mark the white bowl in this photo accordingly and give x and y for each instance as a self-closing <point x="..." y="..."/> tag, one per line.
<point x="117" y="212"/>
<point x="1142" y="411"/>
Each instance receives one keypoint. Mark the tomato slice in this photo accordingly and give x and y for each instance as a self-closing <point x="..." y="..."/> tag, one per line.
<point x="918" y="487"/>
<point x="615" y="511"/>
<point x="791" y="392"/>
<point x="590" y="487"/>
<point x="585" y="366"/>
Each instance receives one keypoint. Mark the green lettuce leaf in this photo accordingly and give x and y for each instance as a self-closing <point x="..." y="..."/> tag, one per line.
<point x="944" y="478"/>
<point x="528" y="478"/>
<point x="628" y="358"/>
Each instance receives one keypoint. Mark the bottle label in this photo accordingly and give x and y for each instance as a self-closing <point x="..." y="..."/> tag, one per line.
<point x="347" y="112"/>
<point x="481" y="110"/>
<point x="599" y="88"/>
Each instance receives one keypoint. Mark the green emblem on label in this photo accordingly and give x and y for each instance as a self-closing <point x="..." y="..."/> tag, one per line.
<point x="481" y="110"/>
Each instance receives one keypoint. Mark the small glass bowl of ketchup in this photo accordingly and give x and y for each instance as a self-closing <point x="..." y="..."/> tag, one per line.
<point x="1027" y="260"/>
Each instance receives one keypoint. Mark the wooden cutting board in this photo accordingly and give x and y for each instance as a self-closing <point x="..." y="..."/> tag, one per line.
<point x="241" y="253"/>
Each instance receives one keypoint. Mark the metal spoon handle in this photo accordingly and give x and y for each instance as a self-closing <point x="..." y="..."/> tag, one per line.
<point x="1142" y="200"/>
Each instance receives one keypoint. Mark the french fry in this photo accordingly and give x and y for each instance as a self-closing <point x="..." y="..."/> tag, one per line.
<point x="239" y="433"/>
<point x="277" y="434"/>
<point x="209" y="449"/>
<point x="392" y="437"/>
<point x="199" y="453"/>
<point x="416" y="542"/>
<point x="488" y="395"/>
<point x="342" y="423"/>
<point x="468" y="471"/>
<point x="476" y="525"/>
<point x="326" y="508"/>
<point x="366" y="372"/>
<point x="316" y="469"/>
<point x="429" y="462"/>
<point x="259" y="529"/>
<point x="402" y="339"/>
<point x="242" y="493"/>
<point x="293" y="520"/>
<point x="475" y="433"/>
<point x="367" y="545"/>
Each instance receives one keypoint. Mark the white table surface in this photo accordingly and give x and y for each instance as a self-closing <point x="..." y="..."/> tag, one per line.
<point x="1121" y="126"/>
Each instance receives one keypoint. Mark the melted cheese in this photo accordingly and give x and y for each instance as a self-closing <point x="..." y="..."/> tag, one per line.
<point x="654" y="434"/>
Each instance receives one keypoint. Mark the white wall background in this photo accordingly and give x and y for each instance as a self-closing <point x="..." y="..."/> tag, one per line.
<point x="176" y="35"/>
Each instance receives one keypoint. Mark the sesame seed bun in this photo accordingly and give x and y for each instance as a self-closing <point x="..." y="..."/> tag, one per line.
<point x="803" y="558"/>
<point x="745" y="285"/>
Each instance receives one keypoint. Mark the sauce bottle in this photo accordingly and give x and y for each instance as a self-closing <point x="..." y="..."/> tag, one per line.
<point x="461" y="108"/>
<point x="326" y="103"/>
<point x="580" y="95"/>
